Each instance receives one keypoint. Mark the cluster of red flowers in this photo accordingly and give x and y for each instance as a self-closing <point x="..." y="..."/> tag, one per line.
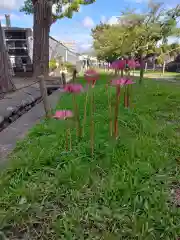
<point x="122" y="64"/>
<point x="91" y="77"/>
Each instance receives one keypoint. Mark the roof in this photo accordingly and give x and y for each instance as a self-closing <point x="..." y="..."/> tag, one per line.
<point x="63" y="45"/>
<point x="16" y="28"/>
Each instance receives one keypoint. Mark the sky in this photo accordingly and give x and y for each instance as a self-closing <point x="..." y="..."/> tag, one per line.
<point x="78" y="29"/>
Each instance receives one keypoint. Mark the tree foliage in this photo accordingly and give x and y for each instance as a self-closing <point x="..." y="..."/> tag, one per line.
<point x="135" y="34"/>
<point x="58" y="6"/>
<point x="170" y="22"/>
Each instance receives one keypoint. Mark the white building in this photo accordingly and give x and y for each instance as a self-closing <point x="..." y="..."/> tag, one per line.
<point x="19" y="43"/>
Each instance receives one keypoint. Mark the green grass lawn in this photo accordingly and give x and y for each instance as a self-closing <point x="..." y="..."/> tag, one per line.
<point x="123" y="193"/>
<point x="159" y="73"/>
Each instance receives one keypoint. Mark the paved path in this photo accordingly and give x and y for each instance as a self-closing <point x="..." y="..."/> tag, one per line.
<point x="11" y="103"/>
<point x="18" y="129"/>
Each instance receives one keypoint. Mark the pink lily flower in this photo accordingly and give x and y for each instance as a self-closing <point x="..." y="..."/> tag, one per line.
<point x="121" y="64"/>
<point x="114" y="65"/>
<point x="128" y="81"/>
<point x="131" y="63"/>
<point x="137" y="64"/>
<point x="118" y="82"/>
<point x="118" y="64"/>
<point x="91" y="76"/>
<point x="121" y="82"/>
<point x="73" y="88"/>
<point x="63" y="114"/>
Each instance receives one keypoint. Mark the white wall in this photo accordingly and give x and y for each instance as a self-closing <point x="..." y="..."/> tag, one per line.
<point x="57" y="49"/>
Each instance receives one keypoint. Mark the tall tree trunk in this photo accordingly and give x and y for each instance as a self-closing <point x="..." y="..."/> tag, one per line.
<point x="41" y="29"/>
<point x="164" y="65"/>
<point x="154" y="64"/>
<point x="146" y="67"/>
<point x="6" y="82"/>
<point x="141" y="69"/>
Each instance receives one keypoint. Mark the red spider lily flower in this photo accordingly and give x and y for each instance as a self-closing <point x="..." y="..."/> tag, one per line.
<point x="63" y="114"/>
<point x="118" y="64"/>
<point x="137" y="64"/>
<point x="128" y="82"/>
<point x="73" y="88"/>
<point x="114" y="65"/>
<point x="131" y="64"/>
<point x="121" y="64"/>
<point x="91" y="76"/>
<point x="118" y="82"/>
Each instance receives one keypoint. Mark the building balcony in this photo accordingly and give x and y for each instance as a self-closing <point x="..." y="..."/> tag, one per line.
<point x="16" y="44"/>
<point x="10" y="34"/>
<point x="18" y="52"/>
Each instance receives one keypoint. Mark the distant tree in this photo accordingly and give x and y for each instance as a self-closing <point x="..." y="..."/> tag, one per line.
<point x="174" y="49"/>
<point x="169" y="24"/>
<point x="164" y="55"/>
<point x="135" y="34"/>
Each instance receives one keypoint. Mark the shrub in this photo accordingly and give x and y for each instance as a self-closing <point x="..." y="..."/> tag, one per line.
<point x="172" y="67"/>
<point x="52" y="64"/>
<point x="69" y="66"/>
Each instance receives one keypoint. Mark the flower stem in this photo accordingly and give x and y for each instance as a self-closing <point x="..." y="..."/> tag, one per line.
<point x="70" y="139"/>
<point x="127" y="96"/>
<point x="93" y="83"/>
<point x="127" y="93"/>
<point x="85" y="111"/>
<point x="67" y="144"/>
<point x="116" y="112"/>
<point x="76" y="111"/>
<point x="92" y="123"/>
<point x="110" y="110"/>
